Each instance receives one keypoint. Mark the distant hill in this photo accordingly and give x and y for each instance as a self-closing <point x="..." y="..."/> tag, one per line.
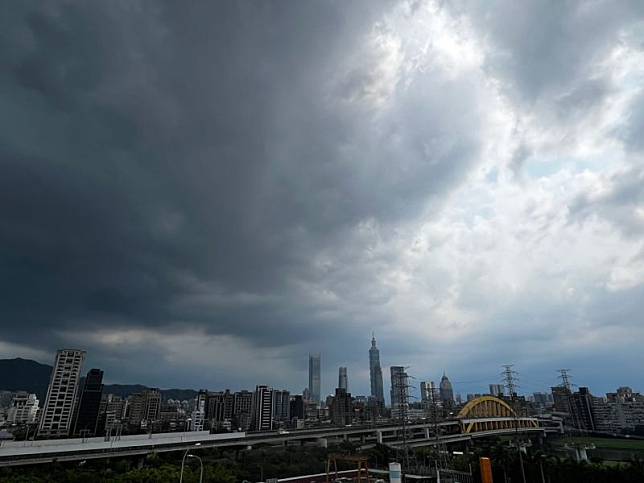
<point x="27" y="375"/>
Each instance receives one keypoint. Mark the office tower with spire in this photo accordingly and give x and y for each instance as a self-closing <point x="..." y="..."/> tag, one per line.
<point x="314" y="378"/>
<point x="446" y="391"/>
<point x="375" y="372"/>
<point x="343" y="382"/>
<point x="58" y="411"/>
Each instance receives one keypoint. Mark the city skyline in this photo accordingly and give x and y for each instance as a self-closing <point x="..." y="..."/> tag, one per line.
<point x="415" y="384"/>
<point x="464" y="179"/>
<point x="81" y="406"/>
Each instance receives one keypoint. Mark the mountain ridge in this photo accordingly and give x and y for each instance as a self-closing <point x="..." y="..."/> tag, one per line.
<point x="19" y="374"/>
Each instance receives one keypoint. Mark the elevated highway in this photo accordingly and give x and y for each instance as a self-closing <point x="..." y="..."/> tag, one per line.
<point x="423" y="433"/>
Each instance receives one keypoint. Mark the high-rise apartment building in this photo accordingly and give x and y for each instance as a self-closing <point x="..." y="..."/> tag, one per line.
<point x="314" y="378"/>
<point x="375" y="373"/>
<point x="343" y="381"/>
<point x="581" y="409"/>
<point x="262" y="409"/>
<point x="23" y="408"/>
<point x="429" y="393"/>
<point x="561" y="399"/>
<point x="243" y="409"/>
<point x="143" y="408"/>
<point x="281" y="406"/>
<point x="296" y="407"/>
<point x="58" y="411"/>
<point x="220" y="408"/>
<point x="341" y="408"/>
<point x="424" y="391"/>
<point x="89" y="404"/>
<point x="198" y="415"/>
<point x="111" y="413"/>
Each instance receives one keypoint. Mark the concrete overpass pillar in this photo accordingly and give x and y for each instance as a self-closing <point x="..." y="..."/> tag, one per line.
<point x="323" y="442"/>
<point x="427" y="435"/>
<point x="379" y="436"/>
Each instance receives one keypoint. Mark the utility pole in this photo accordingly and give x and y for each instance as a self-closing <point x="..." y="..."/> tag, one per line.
<point x="510" y="381"/>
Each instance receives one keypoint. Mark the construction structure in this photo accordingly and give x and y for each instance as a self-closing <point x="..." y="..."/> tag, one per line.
<point x="362" y="470"/>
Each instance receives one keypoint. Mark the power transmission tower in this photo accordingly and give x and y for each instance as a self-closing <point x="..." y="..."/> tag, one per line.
<point x="510" y="381"/>
<point x="565" y="383"/>
<point x="565" y="379"/>
<point x="401" y="389"/>
<point x="439" y="447"/>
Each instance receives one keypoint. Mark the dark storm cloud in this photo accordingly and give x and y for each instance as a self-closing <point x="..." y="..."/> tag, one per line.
<point x="223" y="187"/>
<point x="175" y="166"/>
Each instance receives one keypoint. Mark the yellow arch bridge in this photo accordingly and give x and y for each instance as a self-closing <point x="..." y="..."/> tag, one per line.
<point x="490" y="413"/>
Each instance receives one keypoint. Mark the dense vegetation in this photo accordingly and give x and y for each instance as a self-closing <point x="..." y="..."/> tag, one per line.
<point x="262" y="463"/>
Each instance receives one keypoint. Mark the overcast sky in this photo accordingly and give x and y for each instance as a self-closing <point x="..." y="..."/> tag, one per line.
<point x="200" y="193"/>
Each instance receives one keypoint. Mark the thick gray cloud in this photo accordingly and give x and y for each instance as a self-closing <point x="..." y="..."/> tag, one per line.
<point x="225" y="187"/>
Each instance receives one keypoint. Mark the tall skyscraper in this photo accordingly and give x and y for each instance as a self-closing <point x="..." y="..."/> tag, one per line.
<point x="263" y="409"/>
<point x="343" y="382"/>
<point x="399" y="388"/>
<point x="314" y="378"/>
<point x="375" y="372"/>
<point x="446" y="391"/>
<point x="56" y="420"/>
<point x="89" y="404"/>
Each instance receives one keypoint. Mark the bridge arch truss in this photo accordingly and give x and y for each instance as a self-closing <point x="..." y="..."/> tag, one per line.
<point x="490" y="413"/>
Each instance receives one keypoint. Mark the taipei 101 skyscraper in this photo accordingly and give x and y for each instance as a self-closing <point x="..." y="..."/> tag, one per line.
<point x="375" y="372"/>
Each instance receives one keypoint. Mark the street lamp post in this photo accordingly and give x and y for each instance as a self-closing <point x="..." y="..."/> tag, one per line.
<point x="187" y="454"/>
<point x="200" y="466"/>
